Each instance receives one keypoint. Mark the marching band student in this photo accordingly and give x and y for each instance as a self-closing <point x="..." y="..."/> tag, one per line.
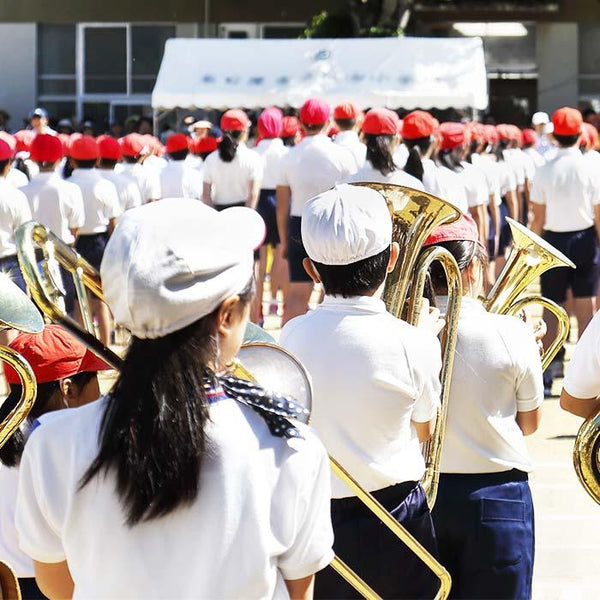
<point x="529" y="147"/>
<point x="109" y="153"/>
<point x="376" y="390"/>
<point x="313" y="166"/>
<point x="290" y="131"/>
<point x="101" y="208"/>
<point x="66" y="376"/>
<point x="379" y="131"/>
<point x="483" y="514"/>
<point x="233" y="174"/>
<point x="132" y="147"/>
<point x="178" y="179"/>
<point x="192" y="476"/>
<point x="345" y="116"/>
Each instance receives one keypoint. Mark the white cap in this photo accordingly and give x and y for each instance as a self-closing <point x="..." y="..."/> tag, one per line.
<point x="200" y="125"/>
<point x="346" y="224"/>
<point x="171" y="262"/>
<point x="540" y="118"/>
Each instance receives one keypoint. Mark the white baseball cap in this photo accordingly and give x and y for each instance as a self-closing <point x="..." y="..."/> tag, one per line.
<point x="200" y="125"/>
<point x="171" y="262"/>
<point x="346" y="224"/>
<point x="540" y="118"/>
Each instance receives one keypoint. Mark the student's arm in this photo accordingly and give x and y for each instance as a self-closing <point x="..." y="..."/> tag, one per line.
<point x="112" y="223"/>
<point x="54" y="579"/>
<point x="529" y="421"/>
<point x="74" y="231"/>
<point x="300" y="589"/>
<point x="539" y="218"/>
<point x="512" y="203"/>
<point x="494" y="211"/>
<point x="284" y="194"/>
<point x="597" y="220"/>
<point x="580" y="407"/>
<point x="424" y="430"/>
<point x="206" y="193"/>
<point x="253" y="192"/>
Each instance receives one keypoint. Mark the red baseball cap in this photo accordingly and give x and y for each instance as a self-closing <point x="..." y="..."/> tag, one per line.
<point x="6" y="152"/>
<point x="208" y="143"/>
<point x="418" y="124"/>
<point x="476" y="131"/>
<point x="109" y="148"/>
<point x="289" y="127"/>
<point x="84" y="148"/>
<point x="53" y="355"/>
<point x="177" y="142"/>
<point x="529" y="136"/>
<point x="132" y="144"/>
<point x="315" y="111"/>
<point x="9" y="139"/>
<point x="592" y="134"/>
<point x="380" y="121"/>
<point x="234" y="120"/>
<point x="463" y="230"/>
<point x="452" y="134"/>
<point x="567" y="121"/>
<point x="46" y="148"/>
<point x="491" y="134"/>
<point x="345" y="110"/>
<point x="24" y="138"/>
<point x="270" y="123"/>
<point x="503" y="131"/>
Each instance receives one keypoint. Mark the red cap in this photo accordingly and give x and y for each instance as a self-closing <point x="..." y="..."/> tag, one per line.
<point x="6" y="152"/>
<point x="270" y="123"/>
<point x="46" y="148"/>
<point x="84" y="148"/>
<point x="344" y="111"/>
<point x="380" y="121"/>
<point x="592" y="134"/>
<point x="515" y="134"/>
<point x="108" y="147"/>
<point x="9" y="139"/>
<point x="567" y="121"/>
<point x="418" y="124"/>
<point x="465" y="229"/>
<point x="208" y="143"/>
<point x="177" y="142"/>
<point x="503" y="131"/>
<point x="400" y="127"/>
<point x="315" y="111"/>
<point x="452" y="134"/>
<point x="132" y="144"/>
<point x="24" y="138"/>
<point x="289" y="127"/>
<point x="476" y="131"/>
<point x="491" y="134"/>
<point x="153" y="144"/>
<point x="234" y="120"/>
<point x="529" y="137"/>
<point x="53" y="355"/>
<point x="333" y="130"/>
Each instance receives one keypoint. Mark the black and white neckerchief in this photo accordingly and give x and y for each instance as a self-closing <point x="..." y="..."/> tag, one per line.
<point x="276" y="409"/>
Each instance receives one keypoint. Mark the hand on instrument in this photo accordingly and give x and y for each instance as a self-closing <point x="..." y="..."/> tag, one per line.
<point x="539" y="330"/>
<point x="430" y="318"/>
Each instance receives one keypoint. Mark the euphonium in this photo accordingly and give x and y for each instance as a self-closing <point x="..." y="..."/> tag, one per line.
<point x="529" y="258"/>
<point x="586" y="456"/>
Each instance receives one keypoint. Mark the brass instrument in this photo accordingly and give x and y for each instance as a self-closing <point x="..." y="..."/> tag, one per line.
<point x="586" y="456"/>
<point x="9" y="583"/>
<point x="529" y="257"/>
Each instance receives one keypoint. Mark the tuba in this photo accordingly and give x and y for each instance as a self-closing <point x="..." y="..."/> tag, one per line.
<point x="586" y="456"/>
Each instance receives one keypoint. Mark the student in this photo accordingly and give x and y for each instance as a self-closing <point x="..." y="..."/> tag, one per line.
<point x="133" y="149"/>
<point x="66" y="376"/>
<point x="178" y="179"/>
<point x="200" y="148"/>
<point x="232" y="175"/>
<point x="483" y="514"/>
<point x="312" y="167"/>
<point x="376" y="391"/>
<point x="345" y="116"/>
<point x="290" y="131"/>
<point x="194" y="486"/>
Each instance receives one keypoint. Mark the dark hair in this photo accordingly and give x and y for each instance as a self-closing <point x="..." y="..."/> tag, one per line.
<point x="289" y="141"/>
<point x="10" y="453"/>
<point x="21" y="165"/>
<point x="379" y="153"/>
<point x="152" y="433"/>
<point x="345" y="124"/>
<point x="414" y="164"/>
<point x="130" y="159"/>
<point x="499" y="151"/>
<point x="179" y="154"/>
<point x="107" y="163"/>
<point x="356" y="278"/>
<point x="450" y="160"/>
<point x="566" y="141"/>
<point x="228" y="145"/>
<point x="4" y="164"/>
<point x="67" y="170"/>
<point x="84" y="164"/>
<point x="45" y="166"/>
<point x="313" y="128"/>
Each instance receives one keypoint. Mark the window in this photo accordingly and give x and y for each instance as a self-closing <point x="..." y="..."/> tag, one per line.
<point x="105" y="64"/>
<point x="589" y="60"/>
<point x="147" y="47"/>
<point x="56" y="60"/>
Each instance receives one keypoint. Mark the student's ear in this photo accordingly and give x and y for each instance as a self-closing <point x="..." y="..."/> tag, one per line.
<point x="68" y="391"/>
<point x="394" y="254"/>
<point x="228" y="315"/>
<point x="310" y="270"/>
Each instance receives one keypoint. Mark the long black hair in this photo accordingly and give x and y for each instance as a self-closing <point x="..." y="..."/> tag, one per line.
<point x="152" y="434"/>
<point x="229" y="144"/>
<point x="450" y="159"/>
<point x="379" y="152"/>
<point x="417" y="148"/>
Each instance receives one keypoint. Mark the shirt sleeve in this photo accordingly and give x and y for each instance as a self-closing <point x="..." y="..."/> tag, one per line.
<point x="538" y="194"/>
<point x="207" y="172"/>
<point x="311" y="549"/>
<point x="282" y="178"/>
<point x="428" y="368"/>
<point x="582" y="378"/>
<point x="255" y="172"/>
<point x="75" y="213"/>
<point x="529" y="384"/>
<point x="112" y="205"/>
<point x="22" y="210"/>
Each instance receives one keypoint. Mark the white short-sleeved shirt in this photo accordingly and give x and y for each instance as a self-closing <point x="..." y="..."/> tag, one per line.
<point x="513" y="159"/>
<point x="178" y="180"/>
<point x="371" y="374"/>
<point x="489" y="167"/>
<point x="14" y="211"/>
<point x="456" y="193"/>
<point x="127" y="188"/>
<point x="56" y="203"/>
<point x="271" y="152"/>
<point x="146" y="179"/>
<point x="496" y="373"/>
<point x="231" y="180"/>
<point x="569" y="188"/>
<point x="261" y="515"/>
<point x="315" y="165"/>
<point x="476" y="185"/>
<point x="582" y="377"/>
<point x="397" y="177"/>
<point x="508" y="179"/>
<point x="401" y="155"/>
<point x="535" y="156"/>
<point x="100" y="200"/>
<point x="350" y="140"/>
<point x="433" y="180"/>
<point x="17" y="178"/>
<point x="593" y="158"/>
<point x="194" y="162"/>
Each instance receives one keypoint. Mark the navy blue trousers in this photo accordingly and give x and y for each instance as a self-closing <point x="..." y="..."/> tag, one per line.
<point x="485" y="533"/>
<point x="375" y="553"/>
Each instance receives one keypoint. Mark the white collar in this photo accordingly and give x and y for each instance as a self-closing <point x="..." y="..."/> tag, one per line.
<point x="367" y="304"/>
<point x="44" y="176"/>
<point x="347" y="135"/>
<point x="573" y="150"/>
<point x="309" y="140"/>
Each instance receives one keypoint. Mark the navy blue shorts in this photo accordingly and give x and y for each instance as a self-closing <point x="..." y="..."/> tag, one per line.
<point x="582" y="248"/>
<point x="220" y="207"/>
<point x="296" y="252"/>
<point x="505" y="235"/>
<point x="266" y="208"/>
<point x="91" y="247"/>
<point x="10" y="265"/>
<point x="375" y="553"/>
<point x="485" y="533"/>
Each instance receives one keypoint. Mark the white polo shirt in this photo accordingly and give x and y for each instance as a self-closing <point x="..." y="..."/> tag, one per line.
<point x="497" y="372"/>
<point x="146" y="180"/>
<point x="350" y="140"/>
<point x="511" y="157"/>
<point x="371" y="374"/>
<point x="536" y="157"/>
<point x="14" y="211"/>
<point x="456" y="193"/>
<point x="315" y="165"/>
<point x="433" y="180"/>
<point x="569" y="188"/>
<point x="476" y="185"/>
<point x="17" y="178"/>
<point x="397" y="177"/>
<point x="56" y="203"/>
<point x="271" y="152"/>
<point x="231" y="180"/>
<point x="582" y="377"/>
<point x="178" y="180"/>
<point x="127" y="188"/>
<point x="261" y="514"/>
<point x="489" y="167"/>
<point x="507" y="178"/>
<point x="100" y="200"/>
<point x="401" y="155"/>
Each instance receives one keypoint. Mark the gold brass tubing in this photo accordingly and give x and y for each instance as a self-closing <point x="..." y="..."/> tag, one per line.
<point x="586" y="456"/>
<point x="353" y="579"/>
<point x="82" y="297"/>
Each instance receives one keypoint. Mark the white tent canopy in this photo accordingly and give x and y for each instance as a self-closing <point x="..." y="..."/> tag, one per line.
<point x="395" y="72"/>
